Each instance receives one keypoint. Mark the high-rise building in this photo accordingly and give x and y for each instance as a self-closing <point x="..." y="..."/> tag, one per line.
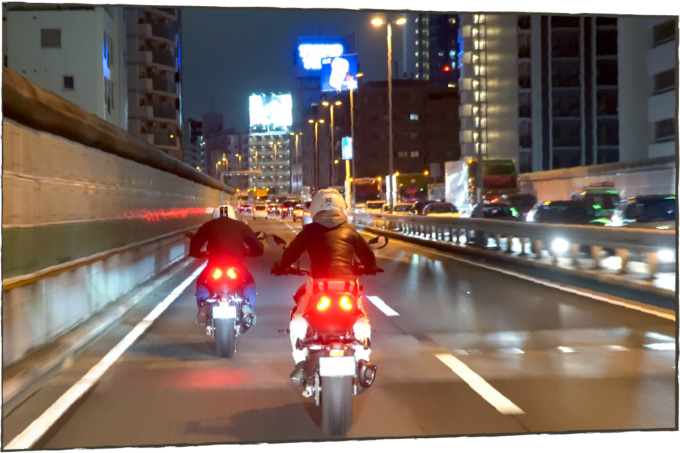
<point x="648" y="78"/>
<point x="76" y="52"/>
<point x="436" y="54"/>
<point x="193" y="145"/>
<point x="154" y="77"/>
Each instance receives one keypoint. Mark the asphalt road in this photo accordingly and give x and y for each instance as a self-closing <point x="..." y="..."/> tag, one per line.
<point x="470" y="352"/>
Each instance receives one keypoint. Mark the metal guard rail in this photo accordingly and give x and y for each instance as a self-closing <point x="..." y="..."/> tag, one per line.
<point x="623" y="241"/>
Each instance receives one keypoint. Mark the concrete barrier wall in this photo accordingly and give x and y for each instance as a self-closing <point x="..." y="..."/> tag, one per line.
<point x="89" y="213"/>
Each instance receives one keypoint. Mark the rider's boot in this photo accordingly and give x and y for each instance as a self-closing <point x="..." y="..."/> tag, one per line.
<point x="202" y="315"/>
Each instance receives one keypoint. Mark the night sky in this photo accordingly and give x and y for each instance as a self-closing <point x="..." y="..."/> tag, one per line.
<point x="229" y="53"/>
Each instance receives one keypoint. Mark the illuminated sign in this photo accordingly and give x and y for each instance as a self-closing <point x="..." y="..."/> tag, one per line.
<point x="312" y="50"/>
<point x="270" y="113"/>
<point x="339" y="73"/>
<point x="347" y="148"/>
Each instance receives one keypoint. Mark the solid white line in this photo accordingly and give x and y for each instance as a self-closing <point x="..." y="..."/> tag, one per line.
<point x="39" y="427"/>
<point x="661" y="313"/>
<point x="479" y="385"/>
<point x="382" y="306"/>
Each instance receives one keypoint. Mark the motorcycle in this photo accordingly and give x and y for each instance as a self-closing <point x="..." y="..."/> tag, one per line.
<point x="230" y="313"/>
<point x="336" y="333"/>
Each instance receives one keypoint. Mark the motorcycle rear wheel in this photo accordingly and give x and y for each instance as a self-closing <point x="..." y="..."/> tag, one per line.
<point x="336" y="405"/>
<point x="225" y="338"/>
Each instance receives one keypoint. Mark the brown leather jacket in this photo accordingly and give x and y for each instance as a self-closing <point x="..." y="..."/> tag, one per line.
<point x="331" y="244"/>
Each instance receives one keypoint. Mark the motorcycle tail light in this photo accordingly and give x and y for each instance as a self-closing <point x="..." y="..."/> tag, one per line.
<point x="345" y="303"/>
<point x="217" y="273"/>
<point x="323" y="304"/>
<point x="231" y="273"/>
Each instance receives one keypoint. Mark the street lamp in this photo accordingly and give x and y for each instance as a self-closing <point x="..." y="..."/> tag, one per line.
<point x="349" y="191"/>
<point x="316" y="149"/>
<point x="297" y="135"/>
<point x="326" y="104"/>
<point x="377" y="22"/>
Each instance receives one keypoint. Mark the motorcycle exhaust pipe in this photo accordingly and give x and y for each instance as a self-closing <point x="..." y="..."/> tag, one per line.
<point x="366" y="373"/>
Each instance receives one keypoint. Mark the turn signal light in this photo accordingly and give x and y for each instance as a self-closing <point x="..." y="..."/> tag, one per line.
<point x="345" y="303"/>
<point x="217" y="274"/>
<point x="231" y="273"/>
<point x="323" y="304"/>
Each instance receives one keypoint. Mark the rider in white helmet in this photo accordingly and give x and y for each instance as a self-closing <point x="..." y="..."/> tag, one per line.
<point x="331" y="244"/>
<point x="226" y="239"/>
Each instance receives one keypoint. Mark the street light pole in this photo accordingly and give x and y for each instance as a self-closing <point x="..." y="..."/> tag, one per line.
<point x="389" y="110"/>
<point x="316" y="150"/>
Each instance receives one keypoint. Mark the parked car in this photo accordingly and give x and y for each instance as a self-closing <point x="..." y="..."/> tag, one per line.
<point x="440" y="209"/>
<point x="259" y="212"/>
<point x="646" y="211"/>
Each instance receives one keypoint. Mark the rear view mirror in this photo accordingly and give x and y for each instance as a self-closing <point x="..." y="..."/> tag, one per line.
<point x="189" y="234"/>
<point x="378" y="242"/>
<point x="275" y="241"/>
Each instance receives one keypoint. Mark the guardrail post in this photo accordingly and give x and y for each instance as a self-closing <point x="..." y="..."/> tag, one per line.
<point x="596" y="251"/>
<point x="574" y="254"/>
<point x="623" y="254"/>
<point x="508" y="246"/>
<point x="536" y="246"/>
<point x="523" y="243"/>
<point x="652" y="264"/>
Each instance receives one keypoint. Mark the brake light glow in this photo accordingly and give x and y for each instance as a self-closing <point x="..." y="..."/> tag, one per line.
<point x="217" y="274"/>
<point x="323" y="304"/>
<point x="345" y="303"/>
<point x="231" y="273"/>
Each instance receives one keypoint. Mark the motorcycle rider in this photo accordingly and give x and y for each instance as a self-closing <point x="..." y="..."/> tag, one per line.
<point x="331" y="244"/>
<point x="225" y="237"/>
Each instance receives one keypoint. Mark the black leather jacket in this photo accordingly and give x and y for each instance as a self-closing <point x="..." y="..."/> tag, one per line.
<point x="331" y="244"/>
<point x="226" y="240"/>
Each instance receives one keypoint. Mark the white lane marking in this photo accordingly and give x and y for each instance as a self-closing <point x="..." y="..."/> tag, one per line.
<point x="479" y="385"/>
<point x="382" y="306"/>
<point x="661" y="313"/>
<point x="39" y="427"/>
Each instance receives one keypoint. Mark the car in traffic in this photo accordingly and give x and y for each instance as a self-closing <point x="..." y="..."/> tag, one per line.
<point x="287" y="208"/>
<point x="306" y="215"/>
<point x="259" y="212"/>
<point x="498" y="211"/>
<point x="374" y="206"/>
<point x="440" y="209"/>
<point x="298" y="210"/>
<point x="273" y="210"/>
<point x="245" y="208"/>
<point x="646" y="211"/>
<point x="417" y="207"/>
<point x="398" y="209"/>
<point x="523" y="203"/>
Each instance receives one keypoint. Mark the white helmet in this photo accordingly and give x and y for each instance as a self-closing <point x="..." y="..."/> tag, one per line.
<point x="224" y="210"/>
<point x="327" y="200"/>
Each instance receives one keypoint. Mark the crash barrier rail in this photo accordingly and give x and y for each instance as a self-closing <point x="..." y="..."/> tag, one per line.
<point x="526" y="239"/>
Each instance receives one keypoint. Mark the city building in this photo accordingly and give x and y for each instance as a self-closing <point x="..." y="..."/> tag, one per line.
<point x="648" y="77"/>
<point x="436" y="50"/>
<point x="269" y="142"/>
<point x="193" y="145"/>
<point x="425" y="127"/>
<point x="76" y="52"/>
<point x="155" y="113"/>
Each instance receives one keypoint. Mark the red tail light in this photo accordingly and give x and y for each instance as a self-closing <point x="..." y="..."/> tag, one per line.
<point x="323" y="304"/>
<point x="217" y="273"/>
<point x="232" y="273"/>
<point x="345" y="303"/>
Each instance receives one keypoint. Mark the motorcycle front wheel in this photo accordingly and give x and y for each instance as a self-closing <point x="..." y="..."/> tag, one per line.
<point x="336" y="404"/>
<point x="225" y="338"/>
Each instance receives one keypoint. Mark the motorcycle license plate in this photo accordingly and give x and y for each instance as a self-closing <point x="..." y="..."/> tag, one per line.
<point x="337" y="366"/>
<point x="223" y="311"/>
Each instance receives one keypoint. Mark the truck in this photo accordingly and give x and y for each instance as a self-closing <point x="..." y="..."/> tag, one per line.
<point x="411" y="187"/>
<point x="499" y="178"/>
<point x="261" y="195"/>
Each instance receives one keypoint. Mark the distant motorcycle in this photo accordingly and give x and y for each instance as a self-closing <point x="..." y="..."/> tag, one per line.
<point x="336" y="331"/>
<point x="231" y="314"/>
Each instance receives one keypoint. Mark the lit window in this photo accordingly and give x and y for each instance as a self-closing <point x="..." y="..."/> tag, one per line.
<point x="413" y="116"/>
<point x="415" y="153"/>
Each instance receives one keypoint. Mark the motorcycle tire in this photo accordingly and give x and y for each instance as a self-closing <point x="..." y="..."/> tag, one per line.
<point x="225" y="338"/>
<point x="336" y="405"/>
